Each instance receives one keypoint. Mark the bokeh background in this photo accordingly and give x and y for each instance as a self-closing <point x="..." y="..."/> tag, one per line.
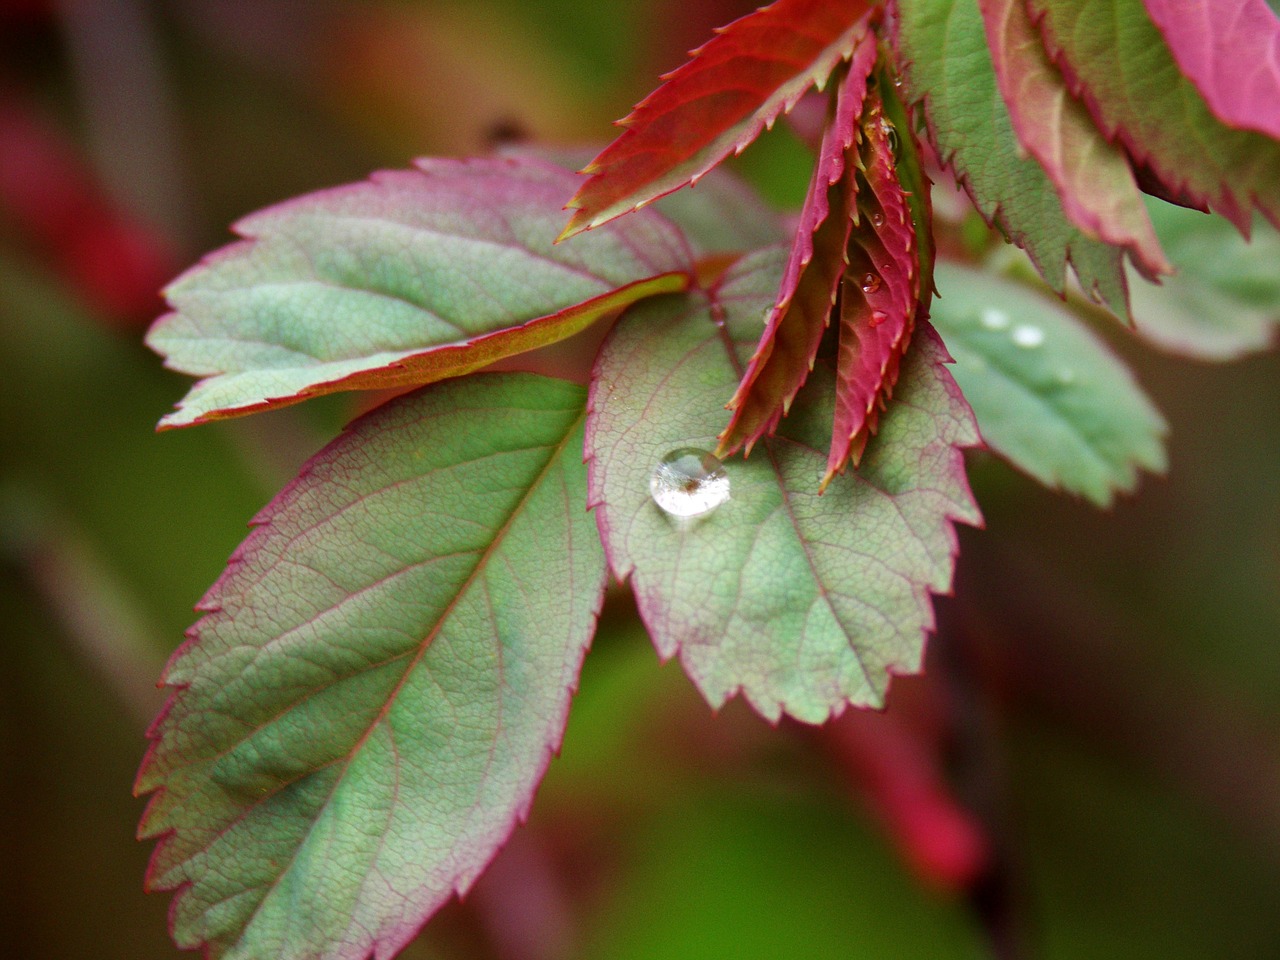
<point x="1090" y="767"/>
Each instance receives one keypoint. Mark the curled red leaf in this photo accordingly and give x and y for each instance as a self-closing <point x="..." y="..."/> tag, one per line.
<point x="800" y="313"/>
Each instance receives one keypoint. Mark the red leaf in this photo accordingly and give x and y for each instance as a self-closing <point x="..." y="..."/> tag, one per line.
<point x="735" y="85"/>
<point x="1092" y="177"/>
<point x="1231" y="52"/>
<point x="879" y="294"/>
<point x="794" y="325"/>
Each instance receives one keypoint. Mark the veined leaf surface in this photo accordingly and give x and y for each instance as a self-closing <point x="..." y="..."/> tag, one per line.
<point x="803" y="603"/>
<point x="1048" y="394"/>
<point x="735" y="85"/>
<point x="1092" y="176"/>
<point x="1231" y="52"/>
<point x="410" y="277"/>
<point x="1117" y="62"/>
<point x="947" y="65"/>
<point x="362" y="715"/>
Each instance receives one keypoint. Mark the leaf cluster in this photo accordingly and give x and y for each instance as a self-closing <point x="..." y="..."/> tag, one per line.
<point x="379" y="678"/>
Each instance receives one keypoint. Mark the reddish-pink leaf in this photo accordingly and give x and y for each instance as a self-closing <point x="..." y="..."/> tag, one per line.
<point x="879" y="294"/>
<point x="735" y="85"/>
<point x="800" y="313"/>
<point x="1231" y="52"/>
<point x="1092" y="177"/>
<point x="1115" y="59"/>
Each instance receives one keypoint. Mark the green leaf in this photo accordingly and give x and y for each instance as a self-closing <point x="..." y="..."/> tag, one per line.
<point x="1048" y="394"/>
<point x="363" y="713"/>
<point x="1091" y="175"/>
<point x="946" y="64"/>
<point x="803" y="603"/>
<point x="1118" y="63"/>
<point x="410" y="277"/>
<point x="1224" y="301"/>
<point x="722" y="213"/>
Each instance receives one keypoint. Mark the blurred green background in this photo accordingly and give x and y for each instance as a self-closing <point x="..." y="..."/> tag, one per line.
<point x="1091" y="766"/>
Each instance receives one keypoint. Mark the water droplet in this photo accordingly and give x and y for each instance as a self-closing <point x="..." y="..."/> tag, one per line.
<point x="870" y="283"/>
<point x="877" y="220"/>
<point x="1027" y="336"/>
<point x="878" y="317"/>
<point x="689" y="482"/>
<point x="897" y="81"/>
<point x="994" y="319"/>
<point x="891" y="134"/>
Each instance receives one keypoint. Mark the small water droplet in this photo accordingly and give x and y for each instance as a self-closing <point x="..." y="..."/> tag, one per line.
<point x="994" y="319"/>
<point x="878" y="317"/>
<point x="897" y="81"/>
<point x="870" y="283"/>
<point x="877" y="220"/>
<point x="1027" y="336"/>
<point x="689" y="482"/>
<point x="891" y="134"/>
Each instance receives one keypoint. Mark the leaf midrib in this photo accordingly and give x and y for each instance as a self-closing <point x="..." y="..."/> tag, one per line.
<point x="391" y="697"/>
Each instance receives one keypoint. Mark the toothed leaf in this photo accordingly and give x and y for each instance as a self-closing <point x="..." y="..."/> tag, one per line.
<point x="1118" y="63"/>
<point x="363" y="713"/>
<point x="947" y="65"/>
<point x="879" y="295"/>
<point x="794" y="325"/>
<point x="1048" y="394"/>
<point x="803" y="603"/>
<point x="1092" y="176"/>
<point x="735" y="86"/>
<point x="410" y="277"/>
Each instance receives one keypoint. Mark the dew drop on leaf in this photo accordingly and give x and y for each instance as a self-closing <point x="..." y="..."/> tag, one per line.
<point x="994" y="319"/>
<point x="1025" y="335"/>
<point x="870" y="283"/>
<point x="877" y="220"/>
<point x="689" y="482"/>
<point x="878" y="317"/>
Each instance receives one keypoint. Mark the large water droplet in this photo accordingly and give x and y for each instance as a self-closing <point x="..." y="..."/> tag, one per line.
<point x="870" y="283"/>
<point x="994" y="319"/>
<point x="877" y="220"/>
<point x="1027" y="336"/>
<point x="689" y="482"/>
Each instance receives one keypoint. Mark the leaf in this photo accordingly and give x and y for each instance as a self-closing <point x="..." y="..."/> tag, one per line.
<point x="362" y="714"/>
<point x="1115" y="60"/>
<point x="733" y="87"/>
<point x="410" y="277"/>
<point x="1092" y="176"/>
<point x="1048" y="394"/>
<point x="802" y="603"/>
<point x="801" y="310"/>
<point x="721" y="214"/>
<point x="1224" y="301"/>
<point x="879" y="295"/>
<point x="1231" y="52"/>
<point x="947" y="67"/>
